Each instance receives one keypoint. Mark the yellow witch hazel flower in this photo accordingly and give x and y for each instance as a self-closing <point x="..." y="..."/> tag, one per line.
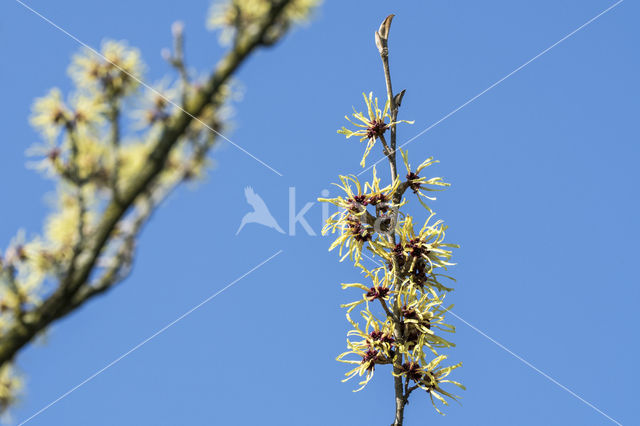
<point x="423" y="316"/>
<point x="49" y="153"/>
<point x="81" y="119"/>
<point x="10" y="385"/>
<point x="371" y="127"/>
<point x="354" y="223"/>
<point x="430" y="378"/>
<point x="61" y="227"/>
<point x="300" y="10"/>
<point x="88" y="112"/>
<point x="20" y="295"/>
<point x="226" y="14"/>
<point x="23" y="269"/>
<point x="50" y="114"/>
<point x="132" y="158"/>
<point x="115" y="72"/>
<point x="157" y="104"/>
<point x="374" y="347"/>
<point x="418" y="183"/>
<point x="93" y="156"/>
<point x="427" y="245"/>
<point x="381" y="289"/>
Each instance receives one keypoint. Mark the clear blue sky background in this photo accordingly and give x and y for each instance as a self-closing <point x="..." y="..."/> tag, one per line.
<point x="544" y="203"/>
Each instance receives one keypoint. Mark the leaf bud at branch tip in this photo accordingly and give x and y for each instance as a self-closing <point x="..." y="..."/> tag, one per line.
<point x="166" y="54"/>
<point x="382" y="35"/>
<point x="177" y="29"/>
<point x="383" y="31"/>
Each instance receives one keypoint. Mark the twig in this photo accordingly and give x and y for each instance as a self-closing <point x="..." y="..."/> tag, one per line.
<point x="114" y="122"/>
<point x="178" y="59"/>
<point x="381" y="39"/>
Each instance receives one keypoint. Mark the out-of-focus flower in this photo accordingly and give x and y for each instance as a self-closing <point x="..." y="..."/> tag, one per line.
<point x="132" y="158"/>
<point x="113" y="73"/>
<point x="93" y="157"/>
<point x="231" y="15"/>
<point x="227" y="15"/>
<point x="17" y="250"/>
<point x="300" y="10"/>
<point x="61" y="227"/>
<point x="157" y="105"/>
<point x="10" y="386"/>
<point x="25" y="266"/>
<point x="50" y="163"/>
<point x="88" y="112"/>
<point x="50" y="114"/>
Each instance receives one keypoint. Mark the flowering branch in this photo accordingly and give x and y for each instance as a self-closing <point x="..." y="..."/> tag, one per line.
<point x="109" y="186"/>
<point x="406" y="332"/>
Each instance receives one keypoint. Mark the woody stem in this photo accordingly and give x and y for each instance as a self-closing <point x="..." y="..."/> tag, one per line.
<point x="400" y="397"/>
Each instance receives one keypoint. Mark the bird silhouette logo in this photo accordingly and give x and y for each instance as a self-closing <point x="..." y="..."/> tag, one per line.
<point x="260" y="213"/>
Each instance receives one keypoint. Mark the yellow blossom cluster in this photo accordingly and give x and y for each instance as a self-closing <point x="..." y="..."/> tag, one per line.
<point x="235" y="15"/>
<point x="402" y="307"/>
<point x="84" y="151"/>
<point x="79" y="152"/>
<point x="115" y="71"/>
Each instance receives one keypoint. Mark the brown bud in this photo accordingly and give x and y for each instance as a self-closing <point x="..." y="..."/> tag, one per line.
<point x="397" y="99"/>
<point x="383" y="31"/>
<point x="382" y="35"/>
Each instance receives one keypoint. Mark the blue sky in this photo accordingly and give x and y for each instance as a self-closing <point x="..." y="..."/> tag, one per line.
<point x="543" y="201"/>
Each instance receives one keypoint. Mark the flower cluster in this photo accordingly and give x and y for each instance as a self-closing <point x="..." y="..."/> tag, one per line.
<point x="403" y="305"/>
<point x="244" y="15"/>
<point x="116" y="71"/>
<point x="354" y="221"/>
<point x="82" y="152"/>
<point x="85" y="150"/>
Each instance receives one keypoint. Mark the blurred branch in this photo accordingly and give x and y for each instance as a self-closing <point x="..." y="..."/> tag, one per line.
<point x="74" y="287"/>
<point x="177" y="60"/>
<point x="114" y="122"/>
